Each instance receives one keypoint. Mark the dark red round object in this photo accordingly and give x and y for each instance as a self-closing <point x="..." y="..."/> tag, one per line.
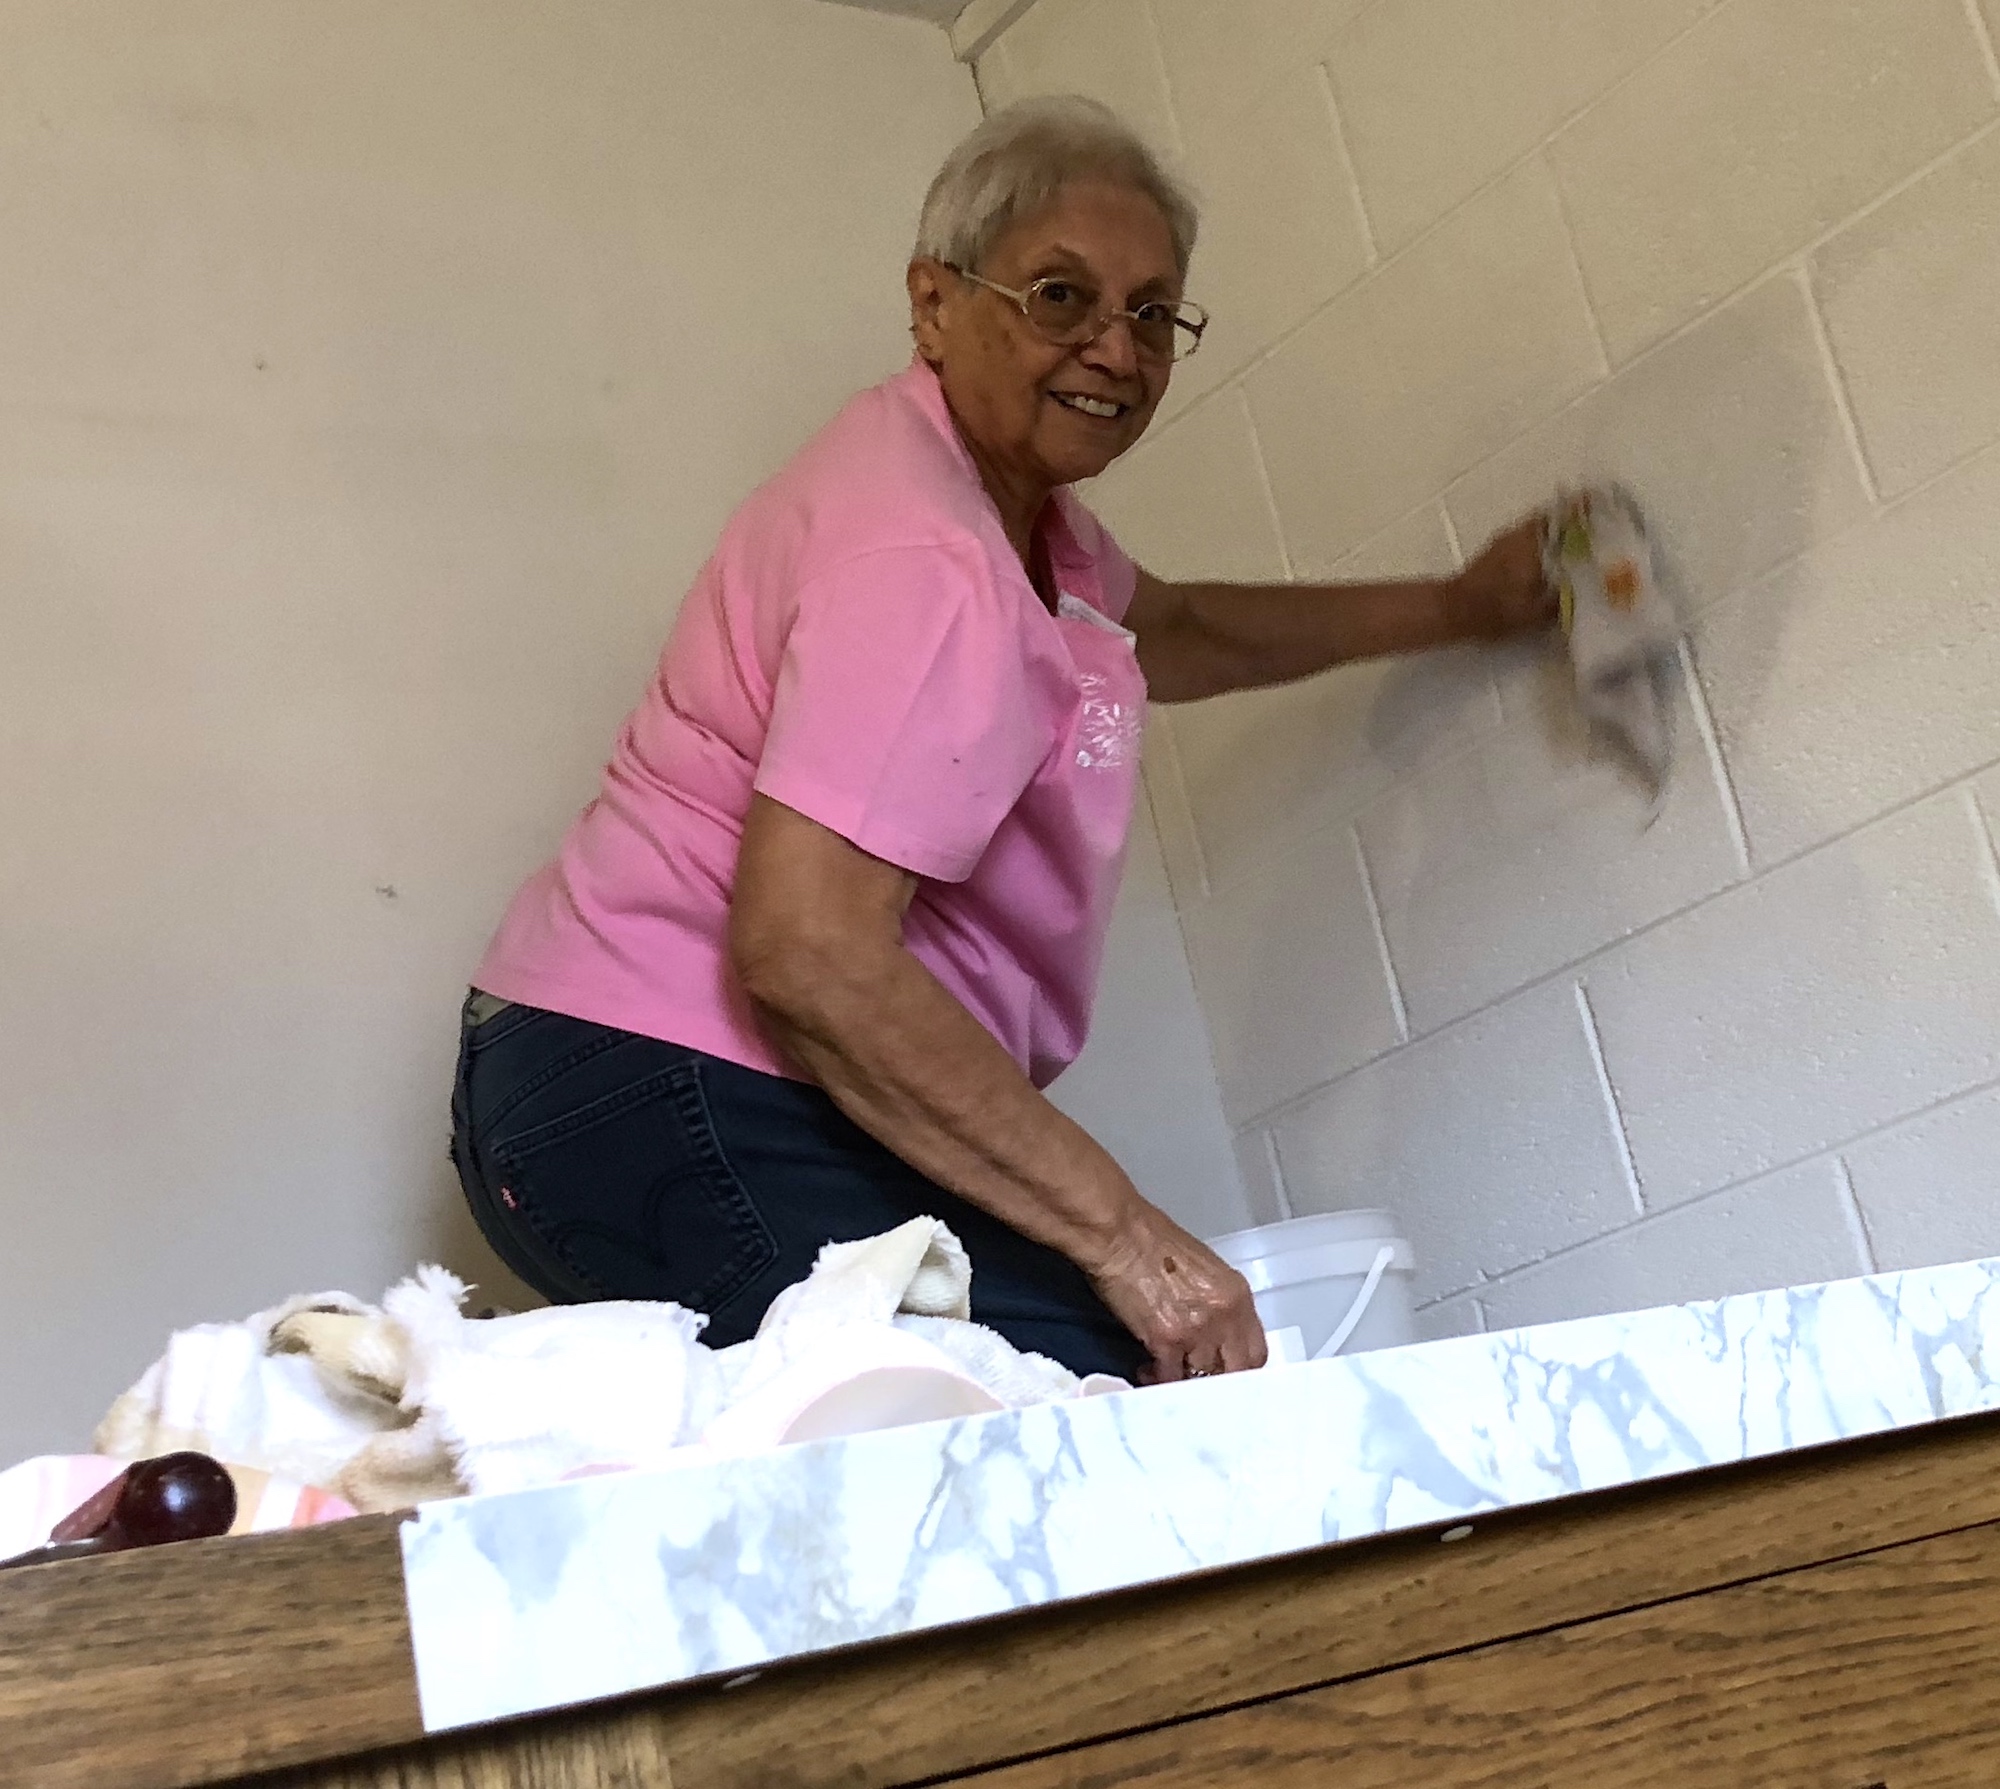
<point x="176" y="1497"/>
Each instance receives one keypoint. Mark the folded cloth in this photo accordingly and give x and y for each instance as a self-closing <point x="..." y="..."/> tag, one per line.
<point x="1622" y="631"/>
<point x="413" y="1400"/>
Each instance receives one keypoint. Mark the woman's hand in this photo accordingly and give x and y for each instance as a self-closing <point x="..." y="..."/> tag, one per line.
<point x="1504" y="591"/>
<point x="1190" y="1308"/>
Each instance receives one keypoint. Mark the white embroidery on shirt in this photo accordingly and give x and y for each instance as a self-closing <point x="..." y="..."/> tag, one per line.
<point x="1107" y="735"/>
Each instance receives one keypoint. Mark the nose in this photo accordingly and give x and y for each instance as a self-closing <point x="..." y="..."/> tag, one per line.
<point x="1114" y="352"/>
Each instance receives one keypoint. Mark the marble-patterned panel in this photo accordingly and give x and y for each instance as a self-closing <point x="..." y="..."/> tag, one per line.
<point x="603" y="1586"/>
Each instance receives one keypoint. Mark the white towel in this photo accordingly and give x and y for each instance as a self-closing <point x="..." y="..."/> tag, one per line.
<point x="224" y="1390"/>
<point x="414" y="1400"/>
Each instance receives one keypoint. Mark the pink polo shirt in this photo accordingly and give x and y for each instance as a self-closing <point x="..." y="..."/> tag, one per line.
<point x="865" y="648"/>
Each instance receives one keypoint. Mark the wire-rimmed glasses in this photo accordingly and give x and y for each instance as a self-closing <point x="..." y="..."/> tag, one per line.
<point x="1068" y="313"/>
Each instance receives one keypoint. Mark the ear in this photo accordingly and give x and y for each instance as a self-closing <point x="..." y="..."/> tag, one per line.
<point x="930" y="284"/>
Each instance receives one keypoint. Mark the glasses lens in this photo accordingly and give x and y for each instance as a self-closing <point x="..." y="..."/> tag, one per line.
<point x="1063" y="310"/>
<point x="1157" y="333"/>
<point x="1189" y="321"/>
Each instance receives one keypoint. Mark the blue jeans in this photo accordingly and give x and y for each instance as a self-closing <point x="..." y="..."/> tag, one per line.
<point x="601" y="1164"/>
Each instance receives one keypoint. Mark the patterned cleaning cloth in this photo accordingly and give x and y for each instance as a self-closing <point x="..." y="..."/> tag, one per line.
<point x="1622" y="630"/>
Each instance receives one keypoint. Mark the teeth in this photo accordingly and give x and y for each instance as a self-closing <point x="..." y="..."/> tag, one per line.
<point x="1090" y="406"/>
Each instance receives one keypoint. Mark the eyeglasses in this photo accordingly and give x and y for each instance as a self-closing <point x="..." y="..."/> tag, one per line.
<point x="1070" y="314"/>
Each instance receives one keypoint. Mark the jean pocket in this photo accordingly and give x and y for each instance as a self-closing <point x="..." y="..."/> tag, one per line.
<point x="630" y="1191"/>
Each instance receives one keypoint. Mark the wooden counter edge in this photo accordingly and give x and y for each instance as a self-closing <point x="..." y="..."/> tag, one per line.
<point x="968" y="1698"/>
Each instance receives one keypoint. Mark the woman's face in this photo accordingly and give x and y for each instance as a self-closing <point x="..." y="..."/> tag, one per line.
<point x="1018" y="397"/>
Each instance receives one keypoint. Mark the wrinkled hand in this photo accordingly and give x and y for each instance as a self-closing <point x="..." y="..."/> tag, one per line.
<point x="1503" y="591"/>
<point x="1190" y="1308"/>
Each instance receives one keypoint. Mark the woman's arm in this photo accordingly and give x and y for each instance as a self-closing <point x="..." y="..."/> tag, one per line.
<point x="1198" y="640"/>
<point x="816" y="929"/>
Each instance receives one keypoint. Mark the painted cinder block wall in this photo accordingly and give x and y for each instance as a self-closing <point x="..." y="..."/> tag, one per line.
<point x="373" y="378"/>
<point x="1746" y="256"/>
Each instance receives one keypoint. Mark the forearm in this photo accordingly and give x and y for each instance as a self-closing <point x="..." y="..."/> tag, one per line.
<point x="1248" y="636"/>
<point x="903" y="1059"/>
<point x="1199" y="640"/>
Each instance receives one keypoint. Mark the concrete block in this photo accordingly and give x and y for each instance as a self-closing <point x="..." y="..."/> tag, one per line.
<point x="1103" y="48"/>
<point x="1751" y="136"/>
<point x="1787" y="1017"/>
<point x="1191" y="503"/>
<point x="1492" y="1143"/>
<point x="1291" y="976"/>
<point x="1282" y="228"/>
<point x="1265" y="768"/>
<point x="1222" y="58"/>
<point x="1911" y="295"/>
<point x="1929" y="1190"/>
<point x="1427" y="367"/>
<point x="1730" y="436"/>
<point x="1502" y="863"/>
<point x="1864" y="674"/>
<point x="1791" y="1229"/>
<point x="1439" y="96"/>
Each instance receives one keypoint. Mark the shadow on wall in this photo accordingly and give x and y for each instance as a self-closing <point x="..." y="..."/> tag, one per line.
<point x="1510" y="853"/>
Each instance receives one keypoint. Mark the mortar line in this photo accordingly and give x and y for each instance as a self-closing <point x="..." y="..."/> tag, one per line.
<point x="1843" y="398"/>
<point x="1286" y="1210"/>
<point x="1381" y="935"/>
<point x="1540" y="983"/>
<point x="1264" y="484"/>
<point x="1183" y="815"/>
<point x="1568" y="223"/>
<point x="1990" y="863"/>
<point x="1595" y="1040"/>
<point x="1857" y="1219"/>
<point x="1157" y="39"/>
<point x="1977" y="19"/>
<point x="1704" y="720"/>
<point x="1891" y="506"/>
<point x="1762" y="277"/>
<point x="1450" y="531"/>
<point x="1369" y="239"/>
<point x="1652" y="1218"/>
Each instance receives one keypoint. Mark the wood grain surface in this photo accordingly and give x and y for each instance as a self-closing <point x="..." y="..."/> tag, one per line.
<point x="1873" y="1671"/>
<point x="201" y="1662"/>
<point x="617" y="1748"/>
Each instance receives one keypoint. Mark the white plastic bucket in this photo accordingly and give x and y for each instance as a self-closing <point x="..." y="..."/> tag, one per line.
<point x="1340" y="1271"/>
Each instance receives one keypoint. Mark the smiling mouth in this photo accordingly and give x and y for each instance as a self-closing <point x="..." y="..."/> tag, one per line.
<point x="1099" y="409"/>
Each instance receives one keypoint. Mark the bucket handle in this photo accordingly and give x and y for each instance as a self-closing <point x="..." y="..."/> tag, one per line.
<point x="1359" y="1308"/>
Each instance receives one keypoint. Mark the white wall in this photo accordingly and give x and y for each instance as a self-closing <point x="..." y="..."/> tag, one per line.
<point x="372" y="379"/>
<point x="1145" y="1084"/>
<point x="1745" y="255"/>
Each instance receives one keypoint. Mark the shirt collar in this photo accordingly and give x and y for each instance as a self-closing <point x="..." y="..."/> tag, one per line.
<point x="923" y="387"/>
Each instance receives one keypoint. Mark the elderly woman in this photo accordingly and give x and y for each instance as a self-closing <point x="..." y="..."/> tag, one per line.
<point x="801" y="970"/>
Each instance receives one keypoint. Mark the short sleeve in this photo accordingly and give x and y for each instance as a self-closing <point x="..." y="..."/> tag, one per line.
<point x="911" y="709"/>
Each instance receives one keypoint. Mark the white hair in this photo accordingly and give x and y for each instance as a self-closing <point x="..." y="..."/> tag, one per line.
<point x="1020" y="160"/>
